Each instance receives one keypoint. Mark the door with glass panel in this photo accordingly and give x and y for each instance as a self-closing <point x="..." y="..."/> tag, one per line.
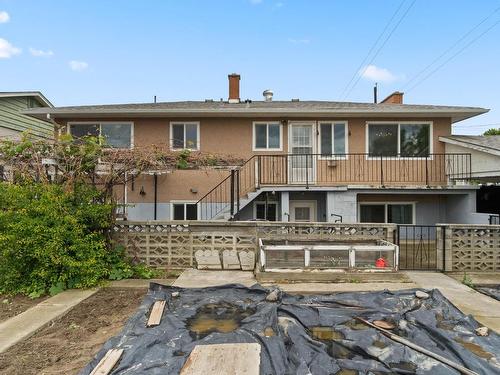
<point x="301" y="161"/>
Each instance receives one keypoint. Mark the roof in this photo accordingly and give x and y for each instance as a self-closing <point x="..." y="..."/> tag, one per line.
<point x="293" y="108"/>
<point x="484" y="143"/>
<point x="37" y="94"/>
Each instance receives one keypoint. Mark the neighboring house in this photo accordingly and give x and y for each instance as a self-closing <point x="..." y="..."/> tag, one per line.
<point x="307" y="160"/>
<point x="13" y="122"/>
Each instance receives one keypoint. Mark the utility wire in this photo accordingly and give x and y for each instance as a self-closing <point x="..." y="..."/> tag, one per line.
<point x="358" y="69"/>
<point x="451" y="48"/>
<point x="380" y="48"/>
<point x="453" y="56"/>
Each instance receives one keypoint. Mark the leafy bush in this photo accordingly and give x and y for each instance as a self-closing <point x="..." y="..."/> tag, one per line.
<point x="51" y="239"/>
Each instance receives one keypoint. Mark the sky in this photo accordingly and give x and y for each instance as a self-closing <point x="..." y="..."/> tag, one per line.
<point x="104" y="51"/>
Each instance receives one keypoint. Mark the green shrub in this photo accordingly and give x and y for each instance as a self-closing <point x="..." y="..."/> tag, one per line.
<point x="51" y="239"/>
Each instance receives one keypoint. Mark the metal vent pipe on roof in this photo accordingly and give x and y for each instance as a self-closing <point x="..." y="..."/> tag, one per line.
<point x="268" y="95"/>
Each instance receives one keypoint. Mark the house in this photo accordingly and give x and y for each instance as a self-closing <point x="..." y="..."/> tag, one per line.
<point x="306" y="160"/>
<point x="13" y="122"/>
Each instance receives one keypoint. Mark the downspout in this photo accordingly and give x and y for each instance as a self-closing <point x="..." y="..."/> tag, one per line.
<point x="156" y="194"/>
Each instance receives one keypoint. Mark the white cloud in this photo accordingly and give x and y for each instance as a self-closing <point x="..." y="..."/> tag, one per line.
<point x="4" y="17"/>
<point x="376" y="74"/>
<point x="7" y="50"/>
<point x="40" y="53"/>
<point x="299" y="41"/>
<point x="78" y="66"/>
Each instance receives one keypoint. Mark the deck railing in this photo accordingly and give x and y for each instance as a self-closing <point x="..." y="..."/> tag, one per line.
<point x="431" y="170"/>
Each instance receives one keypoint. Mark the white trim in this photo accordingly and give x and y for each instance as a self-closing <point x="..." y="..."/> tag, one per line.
<point x="184" y="202"/>
<point x="386" y="212"/>
<point x="399" y="123"/>
<point x="99" y="123"/>
<point x="346" y="140"/>
<point x="255" y="203"/>
<point x="184" y="123"/>
<point x="306" y="203"/>
<point x="267" y="123"/>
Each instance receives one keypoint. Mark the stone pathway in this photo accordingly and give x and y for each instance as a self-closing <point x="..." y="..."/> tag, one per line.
<point x="24" y="325"/>
<point x="485" y="310"/>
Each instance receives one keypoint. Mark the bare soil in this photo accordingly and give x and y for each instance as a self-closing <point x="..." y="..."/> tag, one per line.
<point x="70" y="342"/>
<point x="12" y="306"/>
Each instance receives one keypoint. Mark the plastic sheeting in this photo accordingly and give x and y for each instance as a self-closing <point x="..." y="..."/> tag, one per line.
<point x="312" y="334"/>
<point x="492" y="291"/>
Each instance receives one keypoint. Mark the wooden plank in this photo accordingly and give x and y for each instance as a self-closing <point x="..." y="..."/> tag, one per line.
<point x="223" y="359"/>
<point x="108" y="362"/>
<point x="156" y="313"/>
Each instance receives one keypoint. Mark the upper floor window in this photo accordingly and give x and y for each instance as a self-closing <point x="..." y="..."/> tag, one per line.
<point x="185" y="135"/>
<point x="403" y="139"/>
<point x="333" y="138"/>
<point x="115" y="134"/>
<point x="267" y="136"/>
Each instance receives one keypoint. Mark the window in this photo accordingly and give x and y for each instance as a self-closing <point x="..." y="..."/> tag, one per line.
<point x="266" y="136"/>
<point x="184" y="211"/>
<point x="185" y="135"/>
<point x="268" y="213"/>
<point x="403" y="139"/>
<point x="114" y="134"/>
<point x="332" y="138"/>
<point x="398" y="213"/>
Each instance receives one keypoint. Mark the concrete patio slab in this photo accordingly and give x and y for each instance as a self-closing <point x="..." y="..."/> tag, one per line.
<point x="24" y="325"/>
<point x="486" y="310"/>
<point x="478" y="278"/>
<point x="192" y="278"/>
<point x="139" y="283"/>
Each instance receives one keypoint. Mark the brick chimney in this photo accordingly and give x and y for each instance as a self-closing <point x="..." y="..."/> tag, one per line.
<point x="234" y="88"/>
<point x="395" y="98"/>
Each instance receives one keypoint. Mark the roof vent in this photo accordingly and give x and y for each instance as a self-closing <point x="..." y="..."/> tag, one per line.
<point x="295" y="100"/>
<point x="268" y="95"/>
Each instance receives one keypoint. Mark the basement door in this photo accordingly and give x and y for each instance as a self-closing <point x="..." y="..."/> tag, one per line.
<point x="301" y="162"/>
<point x="303" y="211"/>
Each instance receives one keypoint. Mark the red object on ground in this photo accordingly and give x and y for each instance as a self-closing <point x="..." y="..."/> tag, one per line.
<point x="381" y="263"/>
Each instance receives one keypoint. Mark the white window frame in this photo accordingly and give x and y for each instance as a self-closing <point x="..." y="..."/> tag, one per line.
<point x="184" y="202"/>
<point x="99" y="123"/>
<point x="346" y="129"/>
<point x="399" y="123"/>
<point x="254" y="136"/>
<point x="184" y="123"/>
<point x="386" y="209"/>
<point x="264" y="202"/>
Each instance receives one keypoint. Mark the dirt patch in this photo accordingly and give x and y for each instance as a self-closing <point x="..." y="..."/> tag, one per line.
<point x="12" y="306"/>
<point x="69" y="343"/>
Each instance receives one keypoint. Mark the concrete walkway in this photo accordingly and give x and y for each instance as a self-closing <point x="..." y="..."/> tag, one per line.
<point x="192" y="278"/>
<point x="486" y="310"/>
<point x="326" y="288"/>
<point x="24" y="325"/>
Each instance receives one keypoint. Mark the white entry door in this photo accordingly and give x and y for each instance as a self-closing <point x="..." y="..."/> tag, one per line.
<point x="301" y="164"/>
<point x="303" y="211"/>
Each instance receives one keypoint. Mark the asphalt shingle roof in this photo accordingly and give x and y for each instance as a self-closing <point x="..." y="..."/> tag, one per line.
<point x="487" y="141"/>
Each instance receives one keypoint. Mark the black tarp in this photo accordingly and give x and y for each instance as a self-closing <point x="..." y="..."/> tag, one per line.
<point x="292" y="343"/>
<point x="492" y="291"/>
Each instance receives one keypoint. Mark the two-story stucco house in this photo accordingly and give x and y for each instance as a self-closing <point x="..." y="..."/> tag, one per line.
<point x="306" y="160"/>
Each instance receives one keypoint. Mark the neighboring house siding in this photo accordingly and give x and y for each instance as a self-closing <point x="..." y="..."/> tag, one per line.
<point x="12" y="119"/>
<point x="480" y="161"/>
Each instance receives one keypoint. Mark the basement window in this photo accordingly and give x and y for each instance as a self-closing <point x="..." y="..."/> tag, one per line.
<point x="397" y="213"/>
<point x="268" y="212"/>
<point x="184" y="211"/>
<point x="185" y="135"/>
<point x="114" y="134"/>
<point x="267" y="136"/>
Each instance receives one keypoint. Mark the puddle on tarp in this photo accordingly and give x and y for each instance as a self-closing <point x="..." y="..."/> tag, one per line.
<point x="269" y="331"/>
<point x="474" y="348"/>
<point x="356" y="325"/>
<point x="405" y="367"/>
<point x="216" y="317"/>
<point x="328" y="336"/>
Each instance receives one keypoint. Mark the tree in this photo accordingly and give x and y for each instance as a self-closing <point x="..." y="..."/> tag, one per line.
<point x="492" y="131"/>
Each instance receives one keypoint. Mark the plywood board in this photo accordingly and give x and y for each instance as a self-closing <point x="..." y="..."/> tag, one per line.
<point x="156" y="313"/>
<point x="223" y="359"/>
<point x="107" y="362"/>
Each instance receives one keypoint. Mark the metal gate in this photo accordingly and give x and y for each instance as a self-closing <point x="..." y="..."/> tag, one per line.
<point x="418" y="246"/>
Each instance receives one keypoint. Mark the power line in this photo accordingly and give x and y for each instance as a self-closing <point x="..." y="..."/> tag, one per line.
<point x="452" y="47"/>
<point x="358" y="69"/>
<point x="381" y="46"/>
<point x="453" y="56"/>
